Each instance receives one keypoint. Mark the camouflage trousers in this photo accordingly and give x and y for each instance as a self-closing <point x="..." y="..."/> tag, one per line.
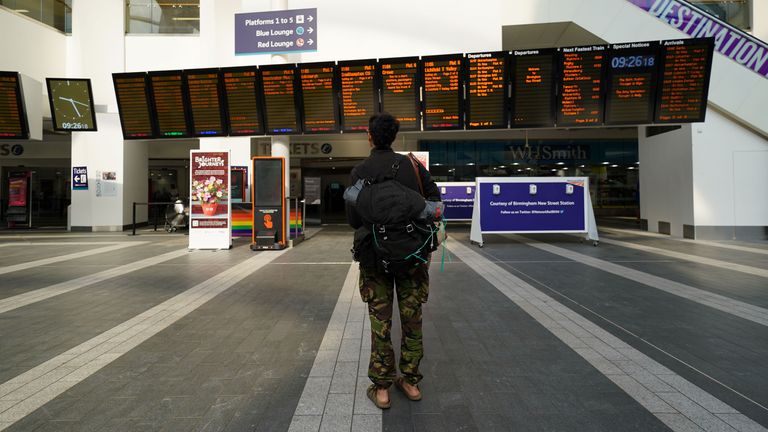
<point x="378" y="289"/>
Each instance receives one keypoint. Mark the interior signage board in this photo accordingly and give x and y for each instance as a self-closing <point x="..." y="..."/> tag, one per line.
<point x="80" y="178"/>
<point x="458" y="200"/>
<point x="210" y="210"/>
<point x="272" y="32"/>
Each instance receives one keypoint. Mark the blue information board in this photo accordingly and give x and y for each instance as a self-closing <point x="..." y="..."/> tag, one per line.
<point x="458" y="199"/>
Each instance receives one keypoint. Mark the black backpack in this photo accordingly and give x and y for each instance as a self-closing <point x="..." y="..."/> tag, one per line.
<point x="390" y="210"/>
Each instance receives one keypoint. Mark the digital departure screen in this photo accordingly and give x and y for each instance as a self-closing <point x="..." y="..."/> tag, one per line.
<point x="242" y="101"/>
<point x="279" y="99"/>
<point x="13" y="118"/>
<point x="486" y="103"/>
<point x="205" y="102"/>
<point x="533" y="88"/>
<point x="443" y="92"/>
<point x="580" y="92"/>
<point x="684" y="81"/>
<point x="318" y="98"/>
<point x="359" y="96"/>
<point x="133" y="105"/>
<point x="168" y="108"/>
<point x="400" y="81"/>
<point x="632" y="74"/>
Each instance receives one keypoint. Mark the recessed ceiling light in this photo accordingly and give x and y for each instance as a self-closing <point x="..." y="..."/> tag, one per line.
<point x="554" y="170"/>
<point x="614" y="166"/>
<point x="502" y="166"/>
<point x="606" y="163"/>
<point x="561" y="163"/>
<point x="581" y="166"/>
<point x="515" y="163"/>
<point x="470" y="163"/>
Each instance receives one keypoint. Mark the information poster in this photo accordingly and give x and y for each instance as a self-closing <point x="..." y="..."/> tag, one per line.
<point x="458" y="200"/>
<point x="17" y="190"/>
<point x="210" y="206"/>
<point x="79" y="178"/>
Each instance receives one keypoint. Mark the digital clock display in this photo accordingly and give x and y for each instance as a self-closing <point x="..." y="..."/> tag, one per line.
<point x="632" y="77"/>
<point x="71" y="104"/>
<point x="633" y="61"/>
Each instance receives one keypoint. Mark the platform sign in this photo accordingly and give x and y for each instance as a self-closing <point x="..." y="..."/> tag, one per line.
<point x="532" y="205"/>
<point x="271" y="32"/>
<point x="79" y="178"/>
<point x="458" y="200"/>
<point x="210" y="210"/>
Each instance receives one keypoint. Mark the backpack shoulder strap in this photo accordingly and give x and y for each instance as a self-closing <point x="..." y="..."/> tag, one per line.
<point x="415" y="165"/>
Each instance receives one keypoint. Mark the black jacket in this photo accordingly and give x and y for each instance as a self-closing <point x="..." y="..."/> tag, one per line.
<point x="379" y="163"/>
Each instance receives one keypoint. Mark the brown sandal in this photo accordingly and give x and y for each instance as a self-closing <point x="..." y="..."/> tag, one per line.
<point x="399" y="384"/>
<point x="371" y="392"/>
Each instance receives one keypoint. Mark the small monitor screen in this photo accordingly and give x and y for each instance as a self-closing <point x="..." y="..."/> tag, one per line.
<point x="533" y="88"/>
<point x="318" y="98"/>
<point x="205" y="102"/>
<point x="684" y="81"/>
<point x="71" y="104"/>
<point x="243" y="101"/>
<point x="267" y="182"/>
<point x="443" y="92"/>
<point x="359" y="97"/>
<point x="581" y="86"/>
<point x="280" y="99"/>
<point x="133" y="104"/>
<point x="168" y="96"/>
<point x="486" y="103"/>
<point x="13" y="118"/>
<point x="400" y="81"/>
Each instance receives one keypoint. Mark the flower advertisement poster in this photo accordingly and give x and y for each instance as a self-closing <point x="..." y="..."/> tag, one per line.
<point x="210" y="205"/>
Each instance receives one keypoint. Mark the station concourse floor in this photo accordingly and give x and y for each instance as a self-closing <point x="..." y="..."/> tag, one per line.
<point x="112" y="332"/>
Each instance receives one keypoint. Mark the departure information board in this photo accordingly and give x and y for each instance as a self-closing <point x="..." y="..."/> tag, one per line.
<point x="318" y="98"/>
<point x="242" y="101"/>
<point x="443" y="92"/>
<point x="580" y="93"/>
<point x="133" y="104"/>
<point x="686" y="66"/>
<point x="205" y="102"/>
<point x="486" y="103"/>
<point x="359" y="97"/>
<point x="13" y="118"/>
<point x="400" y="81"/>
<point x="533" y="88"/>
<point x="280" y="99"/>
<point x="168" y="107"/>
<point x="632" y="73"/>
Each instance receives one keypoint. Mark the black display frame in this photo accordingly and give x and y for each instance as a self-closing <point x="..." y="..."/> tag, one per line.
<point x="710" y="42"/>
<point x="554" y="83"/>
<point x="296" y="98"/>
<point x="418" y="82"/>
<point x="653" y="91"/>
<point x="223" y="117"/>
<point x="462" y="80"/>
<point x="52" y="104"/>
<point x="506" y="101"/>
<point x="145" y="76"/>
<point x="20" y="107"/>
<point x="336" y="96"/>
<point x="375" y="94"/>
<point x="558" y="88"/>
<point x="256" y="95"/>
<point x="184" y="103"/>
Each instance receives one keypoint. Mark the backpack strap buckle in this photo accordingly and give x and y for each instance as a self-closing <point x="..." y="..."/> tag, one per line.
<point x="381" y="229"/>
<point x="409" y="228"/>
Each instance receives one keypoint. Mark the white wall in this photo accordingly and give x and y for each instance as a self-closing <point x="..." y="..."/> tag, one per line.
<point x="31" y="48"/>
<point x="760" y="19"/>
<point x="135" y="180"/>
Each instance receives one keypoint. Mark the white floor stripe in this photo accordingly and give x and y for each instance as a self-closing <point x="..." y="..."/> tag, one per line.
<point x="683" y="240"/>
<point x="29" y="391"/>
<point x="692" y="258"/>
<point x="17" y="301"/>
<point x="681" y="405"/>
<point x="334" y="397"/>
<point x="29" y="243"/>
<point x="67" y="257"/>
<point x="737" y="308"/>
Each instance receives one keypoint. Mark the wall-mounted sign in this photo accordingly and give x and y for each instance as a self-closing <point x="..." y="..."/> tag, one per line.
<point x="276" y="31"/>
<point x="79" y="178"/>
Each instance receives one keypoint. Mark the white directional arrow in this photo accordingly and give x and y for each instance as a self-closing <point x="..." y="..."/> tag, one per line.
<point x="310" y="18"/>
<point x="311" y="42"/>
<point x="310" y="30"/>
<point x="77" y="178"/>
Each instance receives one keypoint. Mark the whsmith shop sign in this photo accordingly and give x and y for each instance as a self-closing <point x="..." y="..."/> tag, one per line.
<point x="546" y="152"/>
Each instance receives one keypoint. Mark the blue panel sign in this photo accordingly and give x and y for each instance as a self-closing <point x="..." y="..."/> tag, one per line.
<point x="79" y="178"/>
<point x="533" y="206"/>
<point x="458" y="199"/>
<point x="276" y="31"/>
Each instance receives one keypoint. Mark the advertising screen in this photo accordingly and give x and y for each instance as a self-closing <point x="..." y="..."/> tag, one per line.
<point x="580" y="90"/>
<point x="400" y="81"/>
<point x="280" y="113"/>
<point x="205" y="102"/>
<point x="133" y="105"/>
<point x="533" y="88"/>
<point x="487" y="103"/>
<point x="167" y="90"/>
<point x="359" y="96"/>
<point x="13" y="118"/>
<point x="71" y="104"/>
<point x="243" y="101"/>
<point x="632" y="74"/>
<point x="684" y="81"/>
<point x="443" y="99"/>
<point x="318" y="98"/>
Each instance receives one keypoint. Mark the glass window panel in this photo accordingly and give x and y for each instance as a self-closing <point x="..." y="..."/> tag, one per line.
<point x="163" y="16"/>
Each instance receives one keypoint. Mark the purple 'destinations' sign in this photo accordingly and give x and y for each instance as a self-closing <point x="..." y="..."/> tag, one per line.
<point x="746" y="50"/>
<point x="276" y="31"/>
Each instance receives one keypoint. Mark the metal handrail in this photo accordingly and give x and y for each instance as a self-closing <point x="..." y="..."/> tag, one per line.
<point x="148" y="204"/>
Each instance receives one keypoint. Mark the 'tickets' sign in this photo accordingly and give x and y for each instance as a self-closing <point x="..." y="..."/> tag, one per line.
<point x="79" y="178"/>
<point x="210" y="206"/>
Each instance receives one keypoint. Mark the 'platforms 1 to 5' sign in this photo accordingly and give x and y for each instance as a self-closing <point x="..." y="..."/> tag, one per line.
<point x="276" y="31"/>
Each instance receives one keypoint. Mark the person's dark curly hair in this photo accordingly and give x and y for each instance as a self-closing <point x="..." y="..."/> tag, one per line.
<point x="383" y="129"/>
